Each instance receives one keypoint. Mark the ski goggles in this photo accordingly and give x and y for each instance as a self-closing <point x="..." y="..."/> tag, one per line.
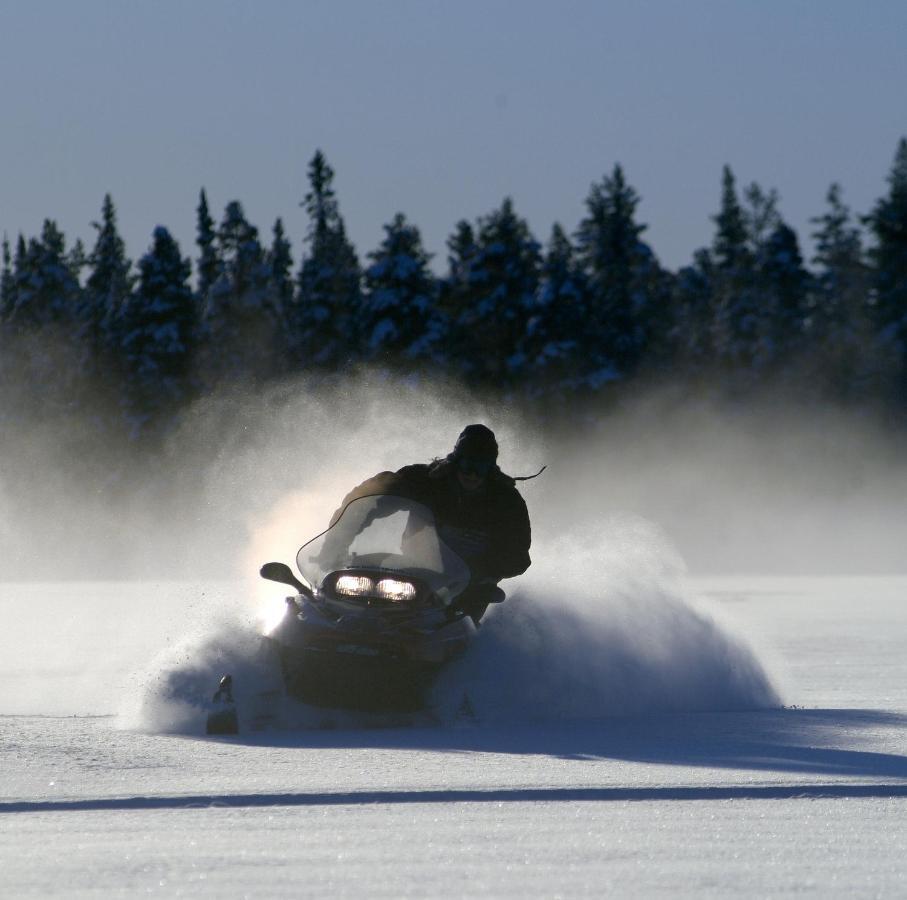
<point x="471" y="465"/>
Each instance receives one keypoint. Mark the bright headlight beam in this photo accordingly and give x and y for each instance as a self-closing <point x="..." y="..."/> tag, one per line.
<point x="354" y="585"/>
<point x="397" y="591"/>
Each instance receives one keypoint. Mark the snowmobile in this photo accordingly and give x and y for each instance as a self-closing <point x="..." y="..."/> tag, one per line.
<point x="375" y="617"/>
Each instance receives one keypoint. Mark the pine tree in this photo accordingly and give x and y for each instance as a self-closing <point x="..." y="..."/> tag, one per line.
<point x="77" y="260"/>
<point x="784" y="287"/>
<point x="729" y="248"/>
<point x="888" y="223"/>
<point x="846" y="359"/>
<point x="8" y="364"/>
<point x="208" y="265"/>
<point x="324" y="316"/>
<point x="627" y="303"/>
<point x="456" y="294"/>
<point x="776" y="290"/>
<point x="489" y="330"/>
<point x="279" y="264"/>
<point x="399" y="322"/>
<point x="692" y="334"/>
<point x="243" y="273"/>
<point x="842" y="282"/>
<point x="20" y="259"/>
<point x="108" y="286"/>
<point x="735" y="304"/>
<point x="7" y="283"/>
<point x="241" y="326"/>
<point x="761" y="217"/>
<point x="46" y="290"/>
<point x="456" y="288"/>
<point x="43" y="369"/>
<point x="554" y="333"/>
<point x="158" y="329"/>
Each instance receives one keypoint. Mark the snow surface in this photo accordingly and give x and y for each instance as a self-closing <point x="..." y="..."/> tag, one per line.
<point x="630" y="740"/>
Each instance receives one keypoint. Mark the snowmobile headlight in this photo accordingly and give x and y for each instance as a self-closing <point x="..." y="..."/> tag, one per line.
<point x="354" y="585"/>
<point x="395" y="590"/>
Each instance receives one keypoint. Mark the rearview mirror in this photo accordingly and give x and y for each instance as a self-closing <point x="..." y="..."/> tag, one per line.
<point x="281" y="573"/>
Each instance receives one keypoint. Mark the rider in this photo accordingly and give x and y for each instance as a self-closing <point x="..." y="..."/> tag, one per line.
<point x="479" y="511"/>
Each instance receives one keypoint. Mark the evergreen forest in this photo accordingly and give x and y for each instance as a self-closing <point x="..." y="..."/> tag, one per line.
<point x="563" y="330"/>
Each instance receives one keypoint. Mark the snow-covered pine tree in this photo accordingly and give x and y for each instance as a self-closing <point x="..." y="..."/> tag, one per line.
<point x="20" y="269"/>
<point x="279" y="267"/>
<point x="888" y="255"/>
<point x="730" y="246"/>
<point x="8" y="365"/>
<point x="692" y="333"/>
<point x="784" y="287"/>
<point x="627" y="306"/>
<point x="18" y="278"/>
<point x="242" y="272"/>
<point x="760" y="216"/>
<point x="7" y="284"/>
<point x="399" y="323"/>
<point x="108" y="286"/>
<point x="322" y="320"/>
<point x="456" y="293"/>
<point x="45" y="287"/>
<point x="241" y="327"/>
<point x="553" y="338"/>
<point x="456" y="288"/>
<point x="158" y="328"/>
<point x="77" y="260"/>
<point x="280" y="287"/>
<point x="847" y="360"/>
<point x="841" y="288"/>
<point x="735" y="304"/>
<point x="503" y="277"/>
<point x="208" y="264"/>
<point x="43" y="365"/>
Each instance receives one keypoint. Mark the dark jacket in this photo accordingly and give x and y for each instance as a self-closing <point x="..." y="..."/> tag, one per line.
<point x="496" y="516"/>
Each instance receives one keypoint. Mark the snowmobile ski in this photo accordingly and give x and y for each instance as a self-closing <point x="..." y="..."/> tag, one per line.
<point x="222" y="717"/>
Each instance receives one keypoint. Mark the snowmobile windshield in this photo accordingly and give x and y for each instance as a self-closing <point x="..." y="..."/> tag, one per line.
<point x="386" y="534"/>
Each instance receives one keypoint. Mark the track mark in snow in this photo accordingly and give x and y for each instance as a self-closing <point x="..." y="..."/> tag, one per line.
<point x="517" y="795"/>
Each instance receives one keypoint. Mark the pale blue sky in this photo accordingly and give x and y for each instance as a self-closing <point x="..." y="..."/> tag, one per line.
<point x="441" y="109"/>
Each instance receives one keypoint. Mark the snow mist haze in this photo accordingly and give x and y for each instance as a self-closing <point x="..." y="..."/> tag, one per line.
<point x="771" y="489"/>
<point x="602" y="624"/>
<point x="248" y="477"/>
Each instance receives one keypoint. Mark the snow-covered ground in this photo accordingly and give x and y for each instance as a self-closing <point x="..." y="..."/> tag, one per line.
<point x="722" y="736"/>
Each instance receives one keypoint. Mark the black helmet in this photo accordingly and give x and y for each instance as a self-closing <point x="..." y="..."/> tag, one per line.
<point x="476" y="442"/>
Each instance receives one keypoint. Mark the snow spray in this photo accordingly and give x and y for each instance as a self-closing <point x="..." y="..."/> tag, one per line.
<point x="604" y="627"/>
<point x="600" y="625"/>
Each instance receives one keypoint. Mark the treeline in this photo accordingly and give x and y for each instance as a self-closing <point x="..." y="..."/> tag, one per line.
<point x="565" y="328"/>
